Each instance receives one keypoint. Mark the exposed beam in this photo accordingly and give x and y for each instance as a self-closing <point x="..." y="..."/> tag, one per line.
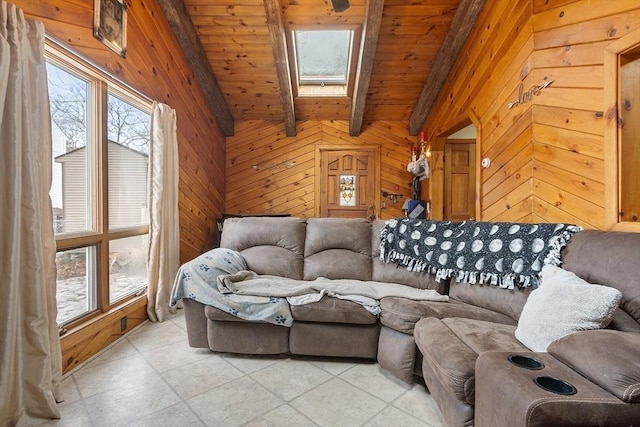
<point x="372" y="20"/>
<point x="187" y="37"/>
<point x="275" y="22"/>
<point x="461" y="25"/>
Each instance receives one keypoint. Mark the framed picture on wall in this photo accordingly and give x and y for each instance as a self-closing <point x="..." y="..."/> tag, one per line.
<point x="110" y="24"/>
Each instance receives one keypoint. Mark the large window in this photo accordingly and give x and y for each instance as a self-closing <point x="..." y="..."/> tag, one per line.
<point x="100" y="132"/>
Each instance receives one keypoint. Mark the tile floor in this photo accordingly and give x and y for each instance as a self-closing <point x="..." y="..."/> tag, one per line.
<point x="153" y="378"/>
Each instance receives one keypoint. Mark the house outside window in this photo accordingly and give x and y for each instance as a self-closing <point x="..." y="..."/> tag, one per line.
<point x="100" y="133"/>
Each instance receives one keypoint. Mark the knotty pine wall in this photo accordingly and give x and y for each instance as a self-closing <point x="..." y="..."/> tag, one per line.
<point x="547" y="155"/>
<point x="155" y="66"/>
<point x="272" y="187"/>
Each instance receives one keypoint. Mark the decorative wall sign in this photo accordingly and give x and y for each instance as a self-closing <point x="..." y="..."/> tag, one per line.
<point x="524" y="97"/>
<point x="110" y="24"/>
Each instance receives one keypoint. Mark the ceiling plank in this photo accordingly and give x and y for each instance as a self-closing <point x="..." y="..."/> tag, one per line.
<point x="463" y="21"/>
<point x="184" y="31"/>
<point x="371" y="29"/>
<point x="275" y="22"/>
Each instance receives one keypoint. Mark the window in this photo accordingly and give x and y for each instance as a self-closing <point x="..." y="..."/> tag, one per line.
<point x="322" y="61"/>
<point x="99" y="187"/>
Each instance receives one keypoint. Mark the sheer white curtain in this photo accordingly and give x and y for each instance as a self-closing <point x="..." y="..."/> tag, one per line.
<point x="164" y="233"/>
<point x="30" y="360"/>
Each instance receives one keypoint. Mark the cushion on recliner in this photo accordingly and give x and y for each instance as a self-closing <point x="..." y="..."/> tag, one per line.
<point x="451" y="346"/>
<point x="609" y="358"/>
<point x="402" y="314"/>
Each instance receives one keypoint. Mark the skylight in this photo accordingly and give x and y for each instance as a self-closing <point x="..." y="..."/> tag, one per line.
<point x="322" y="59"/>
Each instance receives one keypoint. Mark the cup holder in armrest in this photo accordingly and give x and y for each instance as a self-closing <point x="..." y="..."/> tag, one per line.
<point x="554" y="385"/>
<point x="526" y="362"/>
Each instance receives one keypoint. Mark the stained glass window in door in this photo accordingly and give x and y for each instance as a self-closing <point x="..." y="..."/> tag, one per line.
<point x="347" y="190"/>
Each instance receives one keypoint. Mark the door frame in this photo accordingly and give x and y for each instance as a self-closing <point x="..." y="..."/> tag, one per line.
<point x="436" y="180"/>
<point x="318" y="172"/>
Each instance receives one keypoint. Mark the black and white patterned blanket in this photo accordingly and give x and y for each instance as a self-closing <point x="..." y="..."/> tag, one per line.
<point x="498" y="253"/>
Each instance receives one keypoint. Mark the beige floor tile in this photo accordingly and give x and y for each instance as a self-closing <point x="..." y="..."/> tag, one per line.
<point x="420" y="404"/>
<point x="122" y="406"/>
<point x="118" y="350"/>
<point x="69" y="391"/>
<point x="391" y="416"/>
<point x="72" y="415"/>
<point x="338" y="403"/>
<point x="288" y="378"/>
<point x="177" y="415"/>
<point x="251" y="363"/>
<point x="333" y="366"/>
<point x="201" y="376"/>
<point x="283" y="415"/>
<point x="234" y="404"/>
<point x="114" y="375"/>
<point x="154" y="335"/>
<point x="174" y="355"/>
<point x="375" y="380"/>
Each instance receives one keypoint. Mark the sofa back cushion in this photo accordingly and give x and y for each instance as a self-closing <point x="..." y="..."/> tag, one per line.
<point x="393" y="273"/>
<point x="337" y="248"/>
<point x="494" y="298"/>
<point x="609" y="258"/>
<point x="269" y="245"/>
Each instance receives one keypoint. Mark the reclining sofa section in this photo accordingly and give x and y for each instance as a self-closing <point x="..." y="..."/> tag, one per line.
<point x="449" y="337"/>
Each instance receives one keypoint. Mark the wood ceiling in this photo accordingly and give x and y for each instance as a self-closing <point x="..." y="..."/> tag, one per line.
<point x="238" y="51"/>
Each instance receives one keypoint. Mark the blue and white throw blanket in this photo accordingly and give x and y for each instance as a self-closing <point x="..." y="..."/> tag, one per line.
<point x="197" y="280"/>
<point x="498" y="253"/>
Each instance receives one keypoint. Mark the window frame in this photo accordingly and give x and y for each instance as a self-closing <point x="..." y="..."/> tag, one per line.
<point x="311" y="90"/>
<point x="99" y="235"/>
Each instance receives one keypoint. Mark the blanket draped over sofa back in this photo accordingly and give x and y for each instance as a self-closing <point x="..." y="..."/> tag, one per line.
<point x="497" y="253"/>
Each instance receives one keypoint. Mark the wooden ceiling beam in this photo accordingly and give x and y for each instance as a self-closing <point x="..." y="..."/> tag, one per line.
<point x="370" y="30"/>
<point x="184" y="31"/>
<point x="461" y="25"/>
<point x="275" y="22"/>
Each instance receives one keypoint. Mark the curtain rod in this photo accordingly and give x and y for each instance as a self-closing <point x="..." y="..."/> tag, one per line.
<point x="61" y="46"/>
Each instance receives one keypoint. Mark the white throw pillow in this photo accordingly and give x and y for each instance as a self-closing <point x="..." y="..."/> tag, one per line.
<point x="564" y="304"/>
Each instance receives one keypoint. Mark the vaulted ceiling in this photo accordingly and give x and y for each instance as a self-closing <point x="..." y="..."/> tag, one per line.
<point x="237" y="49"/>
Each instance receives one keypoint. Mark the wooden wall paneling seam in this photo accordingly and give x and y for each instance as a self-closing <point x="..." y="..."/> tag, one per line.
<point x="589" y="76"/>
<point x="589" y="122"/>
<point x="588" y="212"/>
<point x="606" y="28"/>
<point x="546" y="212"/>
<point x="577" y="13"/>
<point x="570" y="55"/>
<point x="520" y="174"/>
<point x="580" y="186"/>
<point x="508" y="171"/>
<point x="571" y="140"/>
<point x="519" y="212"/>
<point x="542" y="5"/>
<point x="496" y="148"/>
<point x="520" y="193"/>
<point x="269" y="175"/>
<point x="584" y="98"/>
<point x="582" y="165"/>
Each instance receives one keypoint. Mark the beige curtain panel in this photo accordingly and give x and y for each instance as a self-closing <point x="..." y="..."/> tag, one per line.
<point x="30" y="360"/>
<point x="164" y="234"/>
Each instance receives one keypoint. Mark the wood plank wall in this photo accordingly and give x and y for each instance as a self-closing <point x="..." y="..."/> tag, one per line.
<point x="277" y="186"/>
<point x="155" y="66"/>
<point x="547" y="154"/>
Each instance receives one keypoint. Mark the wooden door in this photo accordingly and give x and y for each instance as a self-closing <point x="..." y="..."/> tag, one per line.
<point x="459" y="181"/>
<point x="348" y="183"/>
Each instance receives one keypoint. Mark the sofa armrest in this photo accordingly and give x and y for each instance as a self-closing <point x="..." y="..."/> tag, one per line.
<point x="606" y="357"/>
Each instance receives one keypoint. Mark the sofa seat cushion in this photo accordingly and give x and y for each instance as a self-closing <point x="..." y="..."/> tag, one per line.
<point x="451" y="346"/>
<point x="333" y="310"/>
<point x="402" y="314"/>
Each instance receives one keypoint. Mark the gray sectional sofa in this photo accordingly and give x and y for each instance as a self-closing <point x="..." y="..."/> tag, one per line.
<point x="458" y="346"/>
